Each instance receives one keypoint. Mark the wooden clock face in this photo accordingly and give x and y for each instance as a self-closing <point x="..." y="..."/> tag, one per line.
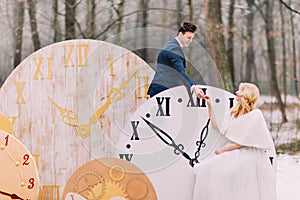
<point x="108" y="178"/>
<point x="164" y="135"/>
<point x="19" y="175"/>
<point x="65" y="95"/>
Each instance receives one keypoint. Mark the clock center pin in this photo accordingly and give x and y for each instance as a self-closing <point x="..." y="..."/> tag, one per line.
<point x="17" y="163"/>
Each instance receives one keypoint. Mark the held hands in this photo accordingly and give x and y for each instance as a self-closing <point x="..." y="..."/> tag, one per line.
<point x="199" y="93"/>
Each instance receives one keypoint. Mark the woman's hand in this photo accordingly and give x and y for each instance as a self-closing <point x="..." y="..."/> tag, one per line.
<point x="218" y="151"/>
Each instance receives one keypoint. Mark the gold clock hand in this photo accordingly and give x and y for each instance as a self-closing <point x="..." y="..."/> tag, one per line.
<point x="84" y="129"/>
<point x="114" y="95"/>
<point x="124" y="84"/>
<point x="68" y="116"/>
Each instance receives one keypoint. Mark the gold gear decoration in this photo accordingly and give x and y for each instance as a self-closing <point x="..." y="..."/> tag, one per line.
<point x="117" y="173"/>
<point x="112" y="189"/>
<point x="105" y="178"/>
<point x="96" y="192"/>
<point x="90" y="184"/>
<point x="137" y="189"/>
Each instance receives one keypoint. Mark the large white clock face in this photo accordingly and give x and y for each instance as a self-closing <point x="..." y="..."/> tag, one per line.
<point x="163" y="136"/>
<point x="63" y="96"/>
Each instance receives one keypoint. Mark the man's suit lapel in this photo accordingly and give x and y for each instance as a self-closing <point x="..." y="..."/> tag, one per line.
<point x="181" y="52"/>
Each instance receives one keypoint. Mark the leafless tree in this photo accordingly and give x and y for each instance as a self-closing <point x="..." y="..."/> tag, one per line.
<point x="18" y="32"/>
<point x="33" y="24"/>
<point x="70" y="20"/>
<point x="216" y="40"/>
<point x="267" y="16"/>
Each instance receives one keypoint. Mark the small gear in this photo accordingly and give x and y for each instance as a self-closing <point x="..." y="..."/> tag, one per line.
<point x="90" y="184"/>
<point x="117" y="173"/>
<point x="113" y="189"/>
<point x="137" y="189"/>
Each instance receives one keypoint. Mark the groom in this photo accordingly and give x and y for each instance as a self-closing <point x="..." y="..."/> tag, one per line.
<point x="171" y="64"/>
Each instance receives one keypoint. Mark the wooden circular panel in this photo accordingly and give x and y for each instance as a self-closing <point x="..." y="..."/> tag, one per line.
<point x="64" y="99"/>
<point x="107" y="178"/>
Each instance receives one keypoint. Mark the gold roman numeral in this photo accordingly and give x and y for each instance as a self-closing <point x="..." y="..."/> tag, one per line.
<point x="145" y="86"/>
<point x="20" y="86"/>
<point x="39" y="62"/>
<point x="111" y="64"/>
<point x="50" y="192"/>
<point x="79" y="58"/>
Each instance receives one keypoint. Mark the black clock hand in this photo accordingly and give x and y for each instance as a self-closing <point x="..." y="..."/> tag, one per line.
<point x="167" y="139"/>
<point x="200" y="143"/>
<point x="12" y="196"/>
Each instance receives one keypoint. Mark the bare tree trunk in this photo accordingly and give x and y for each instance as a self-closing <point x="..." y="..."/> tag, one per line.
<point x="33" y="24"/>
<point x="57" y="31"/>
<point x="242" y="56"/>
<point x="216" y="40"/>
<point x="191" y="10"/>
<point x="120" y="11"/>
<point x="242" y="44"/>
<point x="179" y="11"/>
<point x="90" y="19"/>
<point x="142" y="19"/>
<point x="230" y="49"/>
<point x="294" y="53"/>
<point x="70" y="19"/>
<point x="250" y="58"/>
<point x="189" y="64"/>
<point x="120" y="14"/>
<point x="19" y="33"/>
<point x="272" y="55"/>
<point x="283" y="54"/>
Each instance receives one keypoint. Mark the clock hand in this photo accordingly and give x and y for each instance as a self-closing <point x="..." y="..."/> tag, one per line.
<point x="167" y="139"/>
<point x="68" y="116"/>
<point x="124" y="84"/>
<point x="200" y="143"/>
<point x="114" y="95"/>
<point x="12" y="196"/>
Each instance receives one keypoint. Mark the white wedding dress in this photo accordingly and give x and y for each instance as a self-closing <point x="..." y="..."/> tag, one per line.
<point x="242" y="174"/>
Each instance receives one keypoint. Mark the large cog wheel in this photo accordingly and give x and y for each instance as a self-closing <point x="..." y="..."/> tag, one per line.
<point x="113" y="189"/>
<point x="91" y="185"/>
<point x="96" y="192"/>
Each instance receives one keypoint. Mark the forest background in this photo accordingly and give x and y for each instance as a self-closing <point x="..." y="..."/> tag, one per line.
<point x="248" y="40"/>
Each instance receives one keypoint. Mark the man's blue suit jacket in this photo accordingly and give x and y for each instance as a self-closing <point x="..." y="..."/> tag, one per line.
<point x="170" y="70"/>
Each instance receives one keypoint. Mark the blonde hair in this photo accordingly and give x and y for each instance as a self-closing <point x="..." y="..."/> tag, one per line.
<point x="249" y="95"/>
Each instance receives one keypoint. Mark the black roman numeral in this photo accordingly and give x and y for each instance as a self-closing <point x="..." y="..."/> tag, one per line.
<point x="163" y="101"/>
<point x="127" y="157"/>
<point x="195" y="101"/>
<point x="135" y="135"/>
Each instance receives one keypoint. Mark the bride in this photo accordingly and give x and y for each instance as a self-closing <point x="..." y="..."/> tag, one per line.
<point x="240" y="170"/>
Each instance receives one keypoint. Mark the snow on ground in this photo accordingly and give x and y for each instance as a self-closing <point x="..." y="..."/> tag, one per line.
<point x="288" y="166"/>
<point x="288" y="177"/>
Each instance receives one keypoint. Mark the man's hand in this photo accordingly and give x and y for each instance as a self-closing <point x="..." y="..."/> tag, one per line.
<point x="199" y="93"/>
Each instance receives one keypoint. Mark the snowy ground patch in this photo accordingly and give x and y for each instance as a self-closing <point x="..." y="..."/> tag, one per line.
<point x="288" y="177"/>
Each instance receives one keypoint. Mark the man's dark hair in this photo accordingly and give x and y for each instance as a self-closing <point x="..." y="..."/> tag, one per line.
<point x="187" y="27"/>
